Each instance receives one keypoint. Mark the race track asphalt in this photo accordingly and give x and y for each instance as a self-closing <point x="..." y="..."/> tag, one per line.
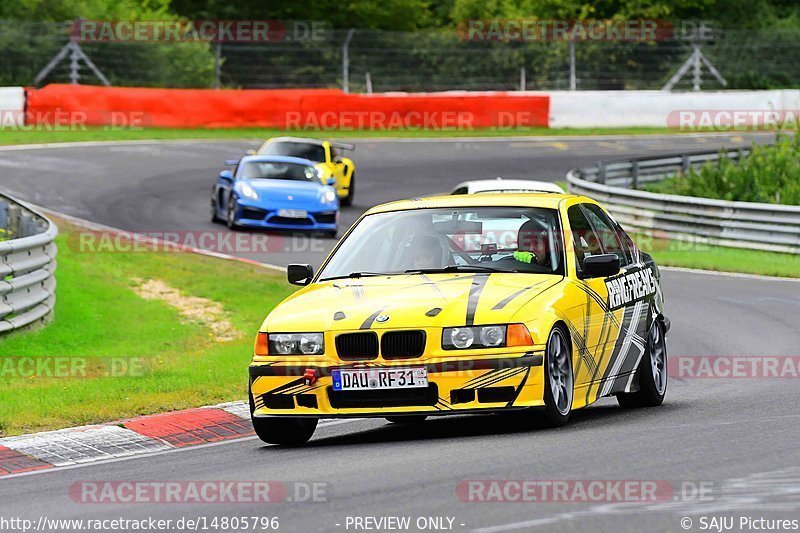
<point x="737" y="436"/>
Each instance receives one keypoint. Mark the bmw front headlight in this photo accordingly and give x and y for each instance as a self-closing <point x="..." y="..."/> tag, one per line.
<point x="296" y="344"/>
<point x="248" y="192"/>
<point x="496" y="336"/>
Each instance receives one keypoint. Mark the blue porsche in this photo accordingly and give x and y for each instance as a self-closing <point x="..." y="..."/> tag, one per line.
<point x="275" y="192"/>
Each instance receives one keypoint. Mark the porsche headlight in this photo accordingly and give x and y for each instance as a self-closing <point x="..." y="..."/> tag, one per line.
<point x="497" y="336"/>
<point x="296" y="344"/>
<point x="248" y="191"/>
<point x="329" y="196"/>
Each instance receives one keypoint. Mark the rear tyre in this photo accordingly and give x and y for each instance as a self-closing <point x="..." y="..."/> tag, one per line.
<point x="410" y="419"/>
<point x="559" y="382"/>
<point x="287" y="431"/>
<point x="348" y="200"/>
<point x="651" y="374"/>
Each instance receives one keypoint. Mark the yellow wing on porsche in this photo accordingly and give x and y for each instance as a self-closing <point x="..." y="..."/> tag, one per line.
<point x="530" y="302"/>
<point x="333" y="167"/>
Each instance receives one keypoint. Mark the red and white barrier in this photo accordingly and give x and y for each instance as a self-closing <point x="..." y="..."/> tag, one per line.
<point x="12" y="106"/>
<point x="331" y="109"/>
<point x="294" y="109"/>
<point x="612" y="109"/>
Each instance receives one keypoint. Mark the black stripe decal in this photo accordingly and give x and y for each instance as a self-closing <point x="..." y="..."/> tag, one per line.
<point x="519" y="389"/>
<point x="505" y="301"/>
<point x="370" y="319"/>
<point x="478" y="283"/>
<point x="626" y="319"/>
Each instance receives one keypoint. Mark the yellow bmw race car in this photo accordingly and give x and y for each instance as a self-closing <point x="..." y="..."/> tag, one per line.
<point x="476" y="303"/>
<point x="327" y="158"/>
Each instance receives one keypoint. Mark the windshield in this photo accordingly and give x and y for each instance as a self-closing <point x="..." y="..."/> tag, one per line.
<point x="501" y="239"/>
<point x="312" y="152"/>
<point x="278" y="171"/>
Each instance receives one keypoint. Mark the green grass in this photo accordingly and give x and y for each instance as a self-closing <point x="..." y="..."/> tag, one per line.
<point x="34" y="136"/>
<point x="98" y="315"/>
<point x="720" y="258"/>
<point x="769" y="174"/>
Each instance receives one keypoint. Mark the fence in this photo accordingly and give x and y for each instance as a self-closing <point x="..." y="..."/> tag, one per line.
<point x="27" y="265"/>
<point x="381" y="61"/>
<point x="724" y="223"/>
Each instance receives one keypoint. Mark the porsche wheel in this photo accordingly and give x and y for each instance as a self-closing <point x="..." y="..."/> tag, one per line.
<point x="409" y="419"/>
<point x="651" y="374"/>
<point x="214" y="217"/>
<point x="559" y="381"/>
<point x="351" y="190"/>
<point x="287" y="431"/>
<point x="230" y="215"/>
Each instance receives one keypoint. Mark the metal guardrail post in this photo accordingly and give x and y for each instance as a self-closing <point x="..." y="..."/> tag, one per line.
<point x="685" y="164"/>
<point x="13" y="219"/>
<point x="346" y="61"/>
<point x="601" y="172"/>
<point x="634" y="174"/>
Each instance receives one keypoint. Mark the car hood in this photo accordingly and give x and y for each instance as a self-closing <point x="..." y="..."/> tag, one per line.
<point x="287" y="191"/>
<point x="409" y="301"/>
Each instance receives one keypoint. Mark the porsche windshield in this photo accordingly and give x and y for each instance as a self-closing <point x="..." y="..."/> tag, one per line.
<point x="469" y="239"/>
<point x="312" y="152"/>
<point x="270" y="170"/>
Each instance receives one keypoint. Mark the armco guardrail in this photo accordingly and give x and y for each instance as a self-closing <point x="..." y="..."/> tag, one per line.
<point x="27" y="265"/>
<point x="755" y="226"/>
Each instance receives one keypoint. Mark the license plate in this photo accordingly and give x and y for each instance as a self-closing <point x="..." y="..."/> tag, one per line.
<point x="380" y="378"/>
<point x="292" y="213"/>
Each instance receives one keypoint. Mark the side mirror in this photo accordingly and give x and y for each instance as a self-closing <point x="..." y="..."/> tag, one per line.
<point x="331" y="181"/>
<point x="226" y="175"/>
<point x="600" y="266"/>
<point x="299" y="274"/>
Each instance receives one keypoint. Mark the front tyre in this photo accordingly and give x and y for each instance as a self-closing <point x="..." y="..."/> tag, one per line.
<point x="559" y="382"/>
<point x="287" y="431"/>
<point x="214" y="217"/>
<point x="651" y="374"/>
<point x="230" y="219"/>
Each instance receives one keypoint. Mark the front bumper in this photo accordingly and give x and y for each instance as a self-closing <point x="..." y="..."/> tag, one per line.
<point x="255" y="216"/>
<point x="455" y="386"/>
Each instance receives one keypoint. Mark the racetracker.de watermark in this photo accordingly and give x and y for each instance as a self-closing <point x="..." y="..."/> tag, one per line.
<point x="72" y="366"/>
<point x="221" y="242"/>
<point x="582" y="491"/>
<point x="734" y="367"/>
<point x="198" y="492"/>
<point x="411" y="120"/>
<point x="204" y="31"/>
<point x="733" y="119"/>
<point x="613" y="30"/>
<point x="60" y="120"/>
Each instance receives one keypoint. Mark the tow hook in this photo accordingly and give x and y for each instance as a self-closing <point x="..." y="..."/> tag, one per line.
<point x="310" y="377"/>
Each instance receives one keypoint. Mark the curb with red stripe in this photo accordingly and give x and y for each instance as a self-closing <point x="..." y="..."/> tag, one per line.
<point x="135" y="436"/>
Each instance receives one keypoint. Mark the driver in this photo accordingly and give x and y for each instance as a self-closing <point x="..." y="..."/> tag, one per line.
<point x="426" y="252"/>
<point x="532" y="240"/>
